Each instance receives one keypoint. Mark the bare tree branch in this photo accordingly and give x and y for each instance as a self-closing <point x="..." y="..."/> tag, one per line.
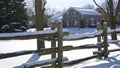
<point x="105" y="13"/>
<point x="117" y="8"/>
<point x="110" y="6"/>
<point x="108" y="9"/>
<point x="100" y="7"/>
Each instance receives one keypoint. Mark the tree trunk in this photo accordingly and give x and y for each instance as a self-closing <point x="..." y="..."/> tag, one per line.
<point x="39" y="21"/>
<point x="113" y="26"/>
<point x="112" y="19"/>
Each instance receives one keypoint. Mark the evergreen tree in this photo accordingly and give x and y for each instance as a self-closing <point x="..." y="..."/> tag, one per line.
<point x="12" y="11"/>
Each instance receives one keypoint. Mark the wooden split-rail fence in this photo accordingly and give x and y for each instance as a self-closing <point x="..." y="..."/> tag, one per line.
<point x="59" y="36"/>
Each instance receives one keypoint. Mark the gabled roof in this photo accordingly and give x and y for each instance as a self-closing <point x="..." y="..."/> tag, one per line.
<point x="56" y="17"/>
<point x="80" y="10"/>
<point x="86" y="11"/>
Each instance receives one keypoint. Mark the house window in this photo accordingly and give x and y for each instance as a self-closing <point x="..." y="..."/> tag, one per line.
<point x="81" y="16"/>
<point x="67" y="22"/>
<point x="87" y="22"/>
<point x="92" y="21"/>
<point x="67" y="14"/>
<point x="74" y="13"/>
<point x="75" y="23"/>
<point x="97" y="20"/>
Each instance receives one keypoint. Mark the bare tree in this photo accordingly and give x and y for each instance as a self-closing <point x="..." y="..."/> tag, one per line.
<point x="110" y="13"/>
<point x="50" y="11"/>
<point x="89" y="6"/>
<point x="31" y="12"/>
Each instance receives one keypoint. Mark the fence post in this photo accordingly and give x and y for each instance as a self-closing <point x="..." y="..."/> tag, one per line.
<point x="53" y="45"/>
<point x="99" y="38"/>
<point x="60" y="44"/>
<point x="98" y="28"/>
<point x="105" y="51"/>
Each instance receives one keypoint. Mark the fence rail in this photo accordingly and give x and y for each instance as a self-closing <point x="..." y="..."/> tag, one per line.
<point x="60" y="35"/>
<point x="27" y="35"/>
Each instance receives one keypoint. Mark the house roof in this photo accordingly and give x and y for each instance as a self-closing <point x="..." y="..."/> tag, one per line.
<point x="56" y="17"/>
<point x="81" y="10"/>
<point x="86" y="11"/>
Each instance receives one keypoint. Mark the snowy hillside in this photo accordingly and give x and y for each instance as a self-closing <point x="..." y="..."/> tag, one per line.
<point x="17" y="45"/>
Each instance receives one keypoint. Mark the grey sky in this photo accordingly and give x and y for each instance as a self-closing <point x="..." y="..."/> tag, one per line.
<point x="62" y="4"/>
<point x="59" y="5"/>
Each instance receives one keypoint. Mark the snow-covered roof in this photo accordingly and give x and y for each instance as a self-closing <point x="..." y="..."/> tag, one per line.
<point x="86" y="11"/>
<point x="81" y="10"/>
<point x="56" y="17"/>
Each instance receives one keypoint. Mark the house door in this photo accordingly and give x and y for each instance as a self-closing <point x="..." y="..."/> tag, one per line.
<point x="71" y="24"/>
<point x="81" y="23"/>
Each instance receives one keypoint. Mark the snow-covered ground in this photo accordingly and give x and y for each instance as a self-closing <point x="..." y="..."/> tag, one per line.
<point x="17" y="45"/>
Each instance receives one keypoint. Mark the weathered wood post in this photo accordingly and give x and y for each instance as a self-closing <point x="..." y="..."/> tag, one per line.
<point x="60" y="44"/>
<point x="53" y="43"/>
<point x="105" y="51"/>
<point x="98" y="28"/>
<point x="99" y="38"/>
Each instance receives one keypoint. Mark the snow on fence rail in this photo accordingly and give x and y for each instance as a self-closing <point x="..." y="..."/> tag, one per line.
<point x="38" y="34"/>
<point x="82" y="36"/>
<point x="26" y="35"/>
<point x="30" y="35"/>
<point x="89" y="35"/>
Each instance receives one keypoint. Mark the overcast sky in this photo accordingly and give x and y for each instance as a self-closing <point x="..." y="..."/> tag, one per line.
<point x="62" y="4"/>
